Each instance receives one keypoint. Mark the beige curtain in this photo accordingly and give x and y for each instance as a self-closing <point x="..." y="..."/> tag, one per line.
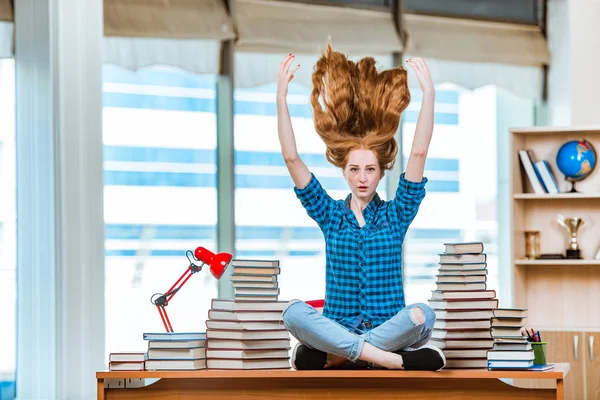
<point x="6" y="11"/>
<point x="475" y="41"/>
<point x="280" y="26"/>
<point x="172" y="19"/>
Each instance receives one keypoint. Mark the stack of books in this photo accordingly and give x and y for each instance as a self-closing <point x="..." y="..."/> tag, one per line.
<point x="176" y="351"/>
<point x="511" y="348"/>
<point x="463" y="306"/>
<point x="248" y="331"/>
<point x="126" y="361"/>
<point x="255" y="279"/>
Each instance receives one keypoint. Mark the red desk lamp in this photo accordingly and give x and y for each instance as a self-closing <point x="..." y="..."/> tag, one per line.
<point x="217" y="264"/>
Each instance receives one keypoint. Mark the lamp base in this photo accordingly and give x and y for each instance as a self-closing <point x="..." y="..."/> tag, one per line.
<point x="573" y="254"/>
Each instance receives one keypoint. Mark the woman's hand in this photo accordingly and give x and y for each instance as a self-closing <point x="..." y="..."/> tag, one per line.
<point x="423" y="75"/>
<point x="285" y="75"/>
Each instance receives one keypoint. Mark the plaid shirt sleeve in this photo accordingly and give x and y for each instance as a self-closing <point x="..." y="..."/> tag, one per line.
<point x="409" y="196"/>
<point x="316" y="201"/>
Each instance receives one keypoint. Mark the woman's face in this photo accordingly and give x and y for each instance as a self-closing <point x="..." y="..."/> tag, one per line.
<point x="362" y="173"/>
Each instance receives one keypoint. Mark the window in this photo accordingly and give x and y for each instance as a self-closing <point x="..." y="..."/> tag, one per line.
<point x="159" y="198"/>
<point x="8" y="233"/>
<point x="270" y="221"/>
<point x="462" y="167"/>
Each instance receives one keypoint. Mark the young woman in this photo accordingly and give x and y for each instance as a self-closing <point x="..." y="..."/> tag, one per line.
<point x="357" y="111"/>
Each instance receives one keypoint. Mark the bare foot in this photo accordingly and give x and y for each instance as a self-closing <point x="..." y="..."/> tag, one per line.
<point x="334" y="361"/>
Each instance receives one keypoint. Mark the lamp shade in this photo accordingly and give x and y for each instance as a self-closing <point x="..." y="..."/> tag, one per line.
<point x="216" y="262"/>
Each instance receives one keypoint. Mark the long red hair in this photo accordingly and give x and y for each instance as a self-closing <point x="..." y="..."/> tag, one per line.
<point x="356" y="106"/>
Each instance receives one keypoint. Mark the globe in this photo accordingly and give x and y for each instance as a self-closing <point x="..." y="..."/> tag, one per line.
<point x="576" y="159"/>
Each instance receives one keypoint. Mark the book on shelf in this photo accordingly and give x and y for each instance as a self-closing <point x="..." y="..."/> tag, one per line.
<point x="529" y="171"/>
<point x="547" y="176"/>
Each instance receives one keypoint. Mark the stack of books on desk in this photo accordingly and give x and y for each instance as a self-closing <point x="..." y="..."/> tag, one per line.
<point x="463" y="306"/>
<point x="248" y="332"/>
<point x="255" y="280"/>
<point x="176" y="351"/>
<point x="511" y="348"/>
<point x="126" y="361"/>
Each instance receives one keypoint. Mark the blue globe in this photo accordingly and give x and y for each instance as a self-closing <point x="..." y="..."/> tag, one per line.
<point x="576" y="159"/>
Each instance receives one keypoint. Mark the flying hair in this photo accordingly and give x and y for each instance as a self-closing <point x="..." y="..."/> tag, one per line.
<point x="356" y="106"/>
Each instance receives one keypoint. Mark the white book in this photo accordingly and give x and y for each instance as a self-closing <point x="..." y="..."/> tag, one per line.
<point x="529" y="168"/>
<point x="235" y="344"/>
<point x="216" y="363"/>
<point x="248" y="354"/>
<point x="245" y="315"/>
<point x="175" y="364"/>
<point x="177" y="354"/>
<point x="245" y="325"/>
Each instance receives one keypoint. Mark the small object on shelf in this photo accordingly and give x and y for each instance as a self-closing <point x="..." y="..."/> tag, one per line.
<point x="551" y="256"/>
<point x="532" y="244"/>
<point x="572" y="225"/>
<point x="576" y="159"/>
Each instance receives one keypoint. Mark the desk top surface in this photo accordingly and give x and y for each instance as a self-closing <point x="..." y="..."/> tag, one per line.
<point x="559" y="372"/>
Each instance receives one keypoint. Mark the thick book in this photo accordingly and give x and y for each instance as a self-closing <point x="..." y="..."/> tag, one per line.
<point x="216" y="363"/>
<point x="246" y="335"/>
<point x="176" y="344"/>
<point x="461" y="315"/>
<point x="463" y="304"/>
<point x="508" y="322"/>
<point x="255" y="285"/>
<point x="177" y="354"/>
<point x="510" y="312"/>
<point x="256" y="270"/>
<point x="245" y="315"/>
<point x="464" y="258"/>
<point x="463" y="247"/>
<point x="126" y="366"/>
<point x="462" y="294"/>
<point x="231" y="305"/>
<point x="454" y="271"/>
<point x="460" y="278"/>
<point x="456" y="363"/>
<point x="127" y="357"/>
<point x="462" y="343"/>
<point x="248" y="354"/>
<point x="466" y="353"/>
<point x="507" y="331"/>
<point x="245" y="325"/>
<point x="462" y="324"/>
<point x="175" y="336"/>
<point x="236" y="262"/>
<point x="237" y="278"/>
<point x="512" y="346"/>
<point x="176" y="364"/>
<point x="256" y="297"/>
<point x="258" y="291"/>
<point x="469" y="286"/>
<point x="235" y="344"/>
<point x="461" y="334"/>
<point x="496" y="355"/>
<point x="510" y="364"/>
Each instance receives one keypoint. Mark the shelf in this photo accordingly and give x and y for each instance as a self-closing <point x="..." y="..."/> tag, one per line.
<point x="557" y="130"/>
<point x="558" y="196"/>
<point x="563" y="261"/>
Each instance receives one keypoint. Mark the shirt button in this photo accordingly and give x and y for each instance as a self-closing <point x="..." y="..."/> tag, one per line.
<point x="368" y="324"/>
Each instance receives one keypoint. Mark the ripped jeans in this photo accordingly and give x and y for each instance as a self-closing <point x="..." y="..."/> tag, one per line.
<point x="314" y="330"/>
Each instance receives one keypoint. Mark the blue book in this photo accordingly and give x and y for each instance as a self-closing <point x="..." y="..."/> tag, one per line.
<point x="175" y="336"/>
<point x="534" y="367"/>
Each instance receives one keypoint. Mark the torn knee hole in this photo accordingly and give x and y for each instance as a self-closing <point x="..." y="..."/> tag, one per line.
<point x="417" y="316"/>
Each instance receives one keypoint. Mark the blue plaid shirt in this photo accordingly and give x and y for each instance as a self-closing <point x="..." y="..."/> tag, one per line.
<point x="363" y="265"/>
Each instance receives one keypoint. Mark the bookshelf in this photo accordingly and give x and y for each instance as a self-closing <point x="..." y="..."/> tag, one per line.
<point x="557" y="293"/>
<point x="562" y="296"/>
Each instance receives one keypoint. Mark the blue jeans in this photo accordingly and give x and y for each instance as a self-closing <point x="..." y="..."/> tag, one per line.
<point x="314" y="330"/>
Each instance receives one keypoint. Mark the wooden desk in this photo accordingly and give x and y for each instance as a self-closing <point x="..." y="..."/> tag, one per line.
<point x="348" y="384"/>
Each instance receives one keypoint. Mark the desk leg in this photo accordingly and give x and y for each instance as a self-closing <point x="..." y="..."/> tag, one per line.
<point x="100" y="389"/>
<point x="560" y="389"/>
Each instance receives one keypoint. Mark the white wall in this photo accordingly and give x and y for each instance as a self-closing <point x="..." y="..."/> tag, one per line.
<point x="574" y="41"/>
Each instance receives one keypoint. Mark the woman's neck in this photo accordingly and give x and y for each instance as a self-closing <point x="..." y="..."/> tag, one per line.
<point x="361" y="203"/>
